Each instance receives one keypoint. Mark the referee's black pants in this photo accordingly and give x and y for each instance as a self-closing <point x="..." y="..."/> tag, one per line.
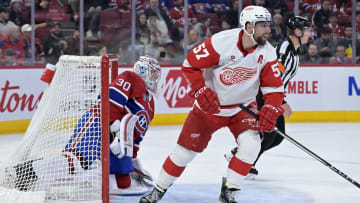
<point x="272" y="139"/>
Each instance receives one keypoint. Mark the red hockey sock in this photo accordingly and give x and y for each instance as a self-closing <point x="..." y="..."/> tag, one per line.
<point x="239" y="166"/>
<point x="123" y="180"/>
<point x="172" y="169"/>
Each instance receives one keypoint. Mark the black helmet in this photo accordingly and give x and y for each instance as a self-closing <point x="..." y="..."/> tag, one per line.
<point x="298" y="22"/>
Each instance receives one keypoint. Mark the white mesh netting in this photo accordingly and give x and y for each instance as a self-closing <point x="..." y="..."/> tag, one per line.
<point x="61" y="150"/>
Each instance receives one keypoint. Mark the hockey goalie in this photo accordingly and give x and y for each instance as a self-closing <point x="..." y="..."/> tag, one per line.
<point x="131" y="99"/>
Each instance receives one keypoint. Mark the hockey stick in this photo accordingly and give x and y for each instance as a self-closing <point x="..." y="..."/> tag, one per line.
<point x="302" y="147"/>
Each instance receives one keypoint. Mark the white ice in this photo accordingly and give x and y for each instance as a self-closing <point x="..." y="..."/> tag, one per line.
<point x="286" y="173"/>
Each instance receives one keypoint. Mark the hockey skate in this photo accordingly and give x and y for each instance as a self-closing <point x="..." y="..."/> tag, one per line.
<point x="156" y="194"/>
<point x="252" y="174"/>
<point x="227" y="195"/>
<point x="137" y="187"/>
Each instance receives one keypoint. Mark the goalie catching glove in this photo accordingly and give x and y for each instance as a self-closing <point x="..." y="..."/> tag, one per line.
<point x="123" y="142"/>
<point x="207" y="99"/>
<point x="268" y="116"/>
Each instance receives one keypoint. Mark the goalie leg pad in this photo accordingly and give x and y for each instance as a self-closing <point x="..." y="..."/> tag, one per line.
<point x="123" y="143"/>
<point x="86" y="131"/>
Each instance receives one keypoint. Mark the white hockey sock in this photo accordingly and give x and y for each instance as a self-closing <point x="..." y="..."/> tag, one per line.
<point x="174" y="166"/>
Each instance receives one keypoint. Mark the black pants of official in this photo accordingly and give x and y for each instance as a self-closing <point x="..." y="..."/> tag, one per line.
<point x="270" y="139"/>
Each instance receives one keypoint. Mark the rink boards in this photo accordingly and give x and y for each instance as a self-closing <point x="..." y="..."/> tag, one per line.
<point x="316" y="94"/>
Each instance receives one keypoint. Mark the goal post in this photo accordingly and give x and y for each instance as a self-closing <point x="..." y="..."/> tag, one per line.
<point x="64" y="155"/>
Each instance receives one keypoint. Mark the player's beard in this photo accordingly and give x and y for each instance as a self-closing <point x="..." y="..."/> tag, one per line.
<point x="260" y="40"/>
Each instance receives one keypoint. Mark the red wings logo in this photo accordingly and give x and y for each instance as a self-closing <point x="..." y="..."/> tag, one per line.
<point x="229" y="76"/>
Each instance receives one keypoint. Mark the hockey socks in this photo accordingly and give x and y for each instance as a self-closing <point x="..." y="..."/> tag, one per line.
<point x="174" y="165"/>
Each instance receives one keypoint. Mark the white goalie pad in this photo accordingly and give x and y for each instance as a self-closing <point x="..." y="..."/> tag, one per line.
<point x="123" y="143"/>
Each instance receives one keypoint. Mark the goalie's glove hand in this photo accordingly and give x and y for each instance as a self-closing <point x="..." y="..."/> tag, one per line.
<point x="268" y="116"/>
<point x="207" y="100"/>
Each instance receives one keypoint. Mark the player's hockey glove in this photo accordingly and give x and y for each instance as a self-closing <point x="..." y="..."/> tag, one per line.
<point x="207" y="100"/>
<point x="268" y="115"/>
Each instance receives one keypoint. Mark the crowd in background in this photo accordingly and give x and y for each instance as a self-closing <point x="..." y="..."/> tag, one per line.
<point x="160" y="28"/>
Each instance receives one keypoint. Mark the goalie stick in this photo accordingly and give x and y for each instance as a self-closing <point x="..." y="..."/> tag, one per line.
<point x="303" y="148"/>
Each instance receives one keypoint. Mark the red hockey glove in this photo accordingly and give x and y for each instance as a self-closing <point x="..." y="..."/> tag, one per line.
<point x="268" y="115"/>
<point x="207" y="100"/>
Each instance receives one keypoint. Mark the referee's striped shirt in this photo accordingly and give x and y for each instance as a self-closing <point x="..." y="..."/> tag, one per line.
<point x="289" y="58"/>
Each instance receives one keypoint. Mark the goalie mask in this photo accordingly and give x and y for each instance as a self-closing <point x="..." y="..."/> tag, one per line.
<point x="149" y="70"/>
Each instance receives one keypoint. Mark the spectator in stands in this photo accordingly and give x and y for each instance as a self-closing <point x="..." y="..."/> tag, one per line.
<point x="160" y="13"/>
<point x="340" y="57"/>
<point x="93" y="9"/>
<point x="276" y="7"/>
<point x="358" y="24"/>
<point x="342" y="7"/>
<point x="193" y="40"/>
<point x="200" y="6"/>
<point x="326" y="45"/>
<point x="226" y="25"/>
<point x="177" y="16"/>
<point x="312" y="56"/>
<point x="231" y="16"/>
<point x="54" y="44"/>
<point x="39" y="50"/>
<point x="203" y="27"/>
<point x="158" y="26"/>
<point x="100" y="50"/>
<point x="9" y="58"/>
<point x="5" y="23"/>
<point x="142" y="32"/>
<point x="73" y="43"/>
<point x="16" y="12"/>
<point x="162" y="56"/>
<point x="42" y="13"/>
<point x="321" y="16"/>
<point x="337" y="31"/>
<point x="310" y="6"/>
<point x="219" y="6"/>
<point x="13" y="41"/>
<point x="278" y="31"/>
<point x="152" y="47"/>
<point x="347" y="42"/>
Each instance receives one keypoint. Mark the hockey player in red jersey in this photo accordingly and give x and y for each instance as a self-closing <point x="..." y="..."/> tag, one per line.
<point x="224" y="71"/>
<point x="131" y="111"/>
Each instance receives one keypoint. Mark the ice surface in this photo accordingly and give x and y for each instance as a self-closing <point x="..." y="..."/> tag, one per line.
<point x="286" y="174"/>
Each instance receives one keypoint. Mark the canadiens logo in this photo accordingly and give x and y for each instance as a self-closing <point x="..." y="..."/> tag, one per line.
<point x="142" y="122"/>
<point x="229" y="76"/>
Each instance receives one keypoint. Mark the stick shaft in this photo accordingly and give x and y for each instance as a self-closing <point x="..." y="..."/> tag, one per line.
<point x="303" y="148"/>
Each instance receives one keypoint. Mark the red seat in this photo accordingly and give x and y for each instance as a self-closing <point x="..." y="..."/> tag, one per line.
<point x="42" y="32"/>
<point x="110" y="27"/>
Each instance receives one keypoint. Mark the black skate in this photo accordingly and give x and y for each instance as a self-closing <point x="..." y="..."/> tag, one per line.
<point x="156" y="194"/>
<point x="252" y="174"/>
<point x="25" y="176"/>
<point x="227" y="194"/>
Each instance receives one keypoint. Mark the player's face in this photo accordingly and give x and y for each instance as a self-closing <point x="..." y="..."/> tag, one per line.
<point x="262" y="32"/>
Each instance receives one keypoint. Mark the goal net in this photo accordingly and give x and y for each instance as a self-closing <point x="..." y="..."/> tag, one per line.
<point x="64" y="153"/>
